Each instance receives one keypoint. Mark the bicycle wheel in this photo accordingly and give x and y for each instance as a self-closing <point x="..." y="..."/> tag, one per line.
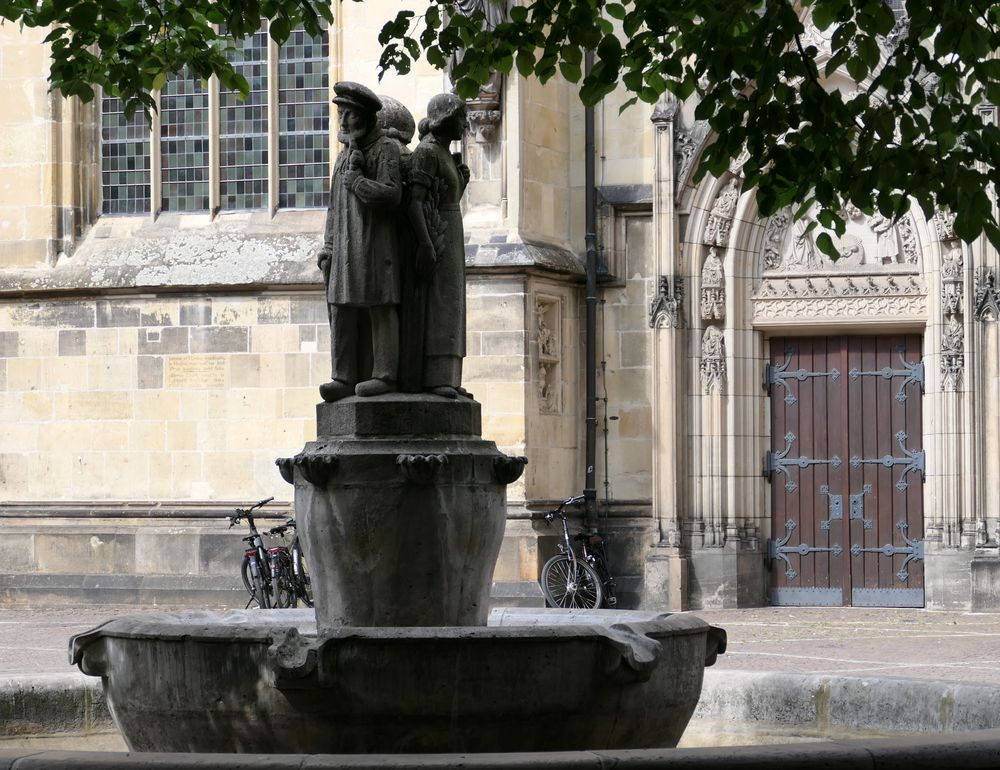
<point x="283" y="581"/>
<point x="254" y="585"/>
<point x="303" y="584"/>
<point x="570" y="588"/>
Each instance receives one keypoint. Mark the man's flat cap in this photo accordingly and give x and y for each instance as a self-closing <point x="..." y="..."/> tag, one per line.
<point x="355" y="95"/>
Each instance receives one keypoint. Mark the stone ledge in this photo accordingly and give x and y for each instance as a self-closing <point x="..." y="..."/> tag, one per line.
<point x="751" y="706"/>
<point x="976" y="749"/>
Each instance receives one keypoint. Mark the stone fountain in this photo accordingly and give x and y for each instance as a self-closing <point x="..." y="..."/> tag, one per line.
<point x="401" y="506"/>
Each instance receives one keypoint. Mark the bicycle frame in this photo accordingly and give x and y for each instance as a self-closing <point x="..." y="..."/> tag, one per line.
<point x="256" y="554"/>
<point x="597" y="560"/>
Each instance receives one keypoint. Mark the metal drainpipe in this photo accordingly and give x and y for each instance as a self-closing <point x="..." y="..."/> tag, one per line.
<point x="590" y="197"/>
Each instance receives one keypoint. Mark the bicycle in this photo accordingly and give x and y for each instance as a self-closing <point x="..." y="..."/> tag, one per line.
<point x="577" y="582"/>
<point x="288" y="567"/>
<point x="256" y="567"/>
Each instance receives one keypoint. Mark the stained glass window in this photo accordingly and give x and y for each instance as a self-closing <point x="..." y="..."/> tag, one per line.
<point x="303" y="121"/>
<point x="243" y="129"/>
<point x="184" y="144"/>
<point x="124" y="160"/>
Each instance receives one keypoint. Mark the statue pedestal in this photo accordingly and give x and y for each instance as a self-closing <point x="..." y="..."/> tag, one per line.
<point x="401" y="508"/>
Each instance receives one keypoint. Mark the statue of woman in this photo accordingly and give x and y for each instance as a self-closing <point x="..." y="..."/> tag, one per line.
<point x="437" y="182"/>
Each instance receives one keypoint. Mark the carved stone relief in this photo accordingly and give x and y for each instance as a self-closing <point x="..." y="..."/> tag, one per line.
<point x="952" y="306"/>
<point x="774" y="238"/>
<point x="665" y="307"/>
<point x="952" y="354"/>
<point x="686" y="144"/>
<point x="944" y="225"/>
<point x="713" y="361"/>
<point x="951" y="282"/>
<point x="720" y="219"/>
<point x="830" y="297"/>
<point x="713" y="288"/>
<point x="548" y="323"/>
<point x="869" y="245"/>
<point x="987" y="297"/>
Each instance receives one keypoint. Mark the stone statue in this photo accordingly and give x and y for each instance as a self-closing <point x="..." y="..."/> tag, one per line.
<point x="437" y="181"/>
<point x="803" y="254"/>
<point x="885" y="234"/>
<point x="360" y="255"/>
<point x="720" y="219"/>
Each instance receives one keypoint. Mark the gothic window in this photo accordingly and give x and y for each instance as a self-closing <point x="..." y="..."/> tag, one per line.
<point x="243" y="129"/>
<point x="184" y="144"/>
<point x="124" y="160"/>
<point x="303" y="121"/>
<point x="209" y="150"/>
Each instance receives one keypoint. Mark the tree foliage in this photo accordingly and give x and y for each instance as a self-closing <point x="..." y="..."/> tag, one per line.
<point x="130" y="47"/>
<point x="916" y="125"/>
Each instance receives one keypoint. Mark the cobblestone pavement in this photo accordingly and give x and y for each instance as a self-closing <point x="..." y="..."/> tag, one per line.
<point x="898" y="643"/>
<point x="917" y="644"/>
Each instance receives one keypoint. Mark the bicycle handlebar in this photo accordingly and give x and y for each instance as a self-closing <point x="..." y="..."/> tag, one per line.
<point x="559" y="511"/>
<point x="241" y="512"/>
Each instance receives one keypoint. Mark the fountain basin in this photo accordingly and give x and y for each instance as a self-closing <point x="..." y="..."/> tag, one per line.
<point x="262" y="681"/>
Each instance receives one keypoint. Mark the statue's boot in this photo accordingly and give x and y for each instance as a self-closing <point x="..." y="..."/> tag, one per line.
<point x="375" y="387"/>
<point x="464" y="393"/>
<point x="335" y="390"/>
<point x="444" y="390"/>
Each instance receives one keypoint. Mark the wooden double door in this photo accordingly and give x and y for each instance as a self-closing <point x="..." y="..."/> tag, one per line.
<point x="846" y="468"/>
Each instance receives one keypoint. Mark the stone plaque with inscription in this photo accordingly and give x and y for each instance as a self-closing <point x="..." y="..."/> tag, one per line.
<point x="195" y="372"/>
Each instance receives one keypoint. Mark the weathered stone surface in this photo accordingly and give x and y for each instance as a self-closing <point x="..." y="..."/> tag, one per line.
<point x="621" y="681"/>
<point x="402" y="509"/>
<point x="397" y="415"/>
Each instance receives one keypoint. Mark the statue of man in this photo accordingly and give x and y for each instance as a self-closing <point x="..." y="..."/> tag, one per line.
<point x="360" y="255"/>
<point x="437" y="182"/>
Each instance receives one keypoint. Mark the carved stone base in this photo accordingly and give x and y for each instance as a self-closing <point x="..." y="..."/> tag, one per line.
<point x="401" y="509"/>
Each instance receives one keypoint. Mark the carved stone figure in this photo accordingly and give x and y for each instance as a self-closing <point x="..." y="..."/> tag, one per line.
<point x="803" y="256"/>
<point x="485" y="109"/>
<point x="713" y="288"/>
<point x="952" y="354"/>
<point x="360" y="255"/>
<point x="720" y="220"/>
<point x="437" y="181"/>
<point x="546" y="338"/>
<point x="887" y="243"/>
<point x="774" y="236"/>
<point x="713" y="360"/>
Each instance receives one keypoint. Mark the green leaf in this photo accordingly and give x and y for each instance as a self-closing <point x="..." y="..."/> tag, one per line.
<point x="825" y="244"/>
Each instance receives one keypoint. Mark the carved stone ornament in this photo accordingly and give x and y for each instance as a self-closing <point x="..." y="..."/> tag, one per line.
<point x="944" y="225"/>
<point x="869" y="244"/>
<point x="825" y="298"/>
<point x="421" y="469"/>
<point x="508" y="468"/>
<point x="987" y="297"/>
<point x="665" y="109"/>
<point x="908" y="240"/>
<point x="952" y="354"/>
<point x="720" y="219"/>
<point x="713" y="288"/>
<point x="548" y="390"/>
<point x="317" y="469"/>
<point x="484" y="124"/>
<point x="713" y="361"/>
<point x="665" y="309"/>
<point x="686" y="144"/>
<point x="774" y="238"/>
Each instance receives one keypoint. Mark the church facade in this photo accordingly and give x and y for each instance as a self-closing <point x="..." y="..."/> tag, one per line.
<point x="773" y="426"/>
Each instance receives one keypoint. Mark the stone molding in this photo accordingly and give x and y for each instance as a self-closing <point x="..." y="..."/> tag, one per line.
<point x="821" y="299"/>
